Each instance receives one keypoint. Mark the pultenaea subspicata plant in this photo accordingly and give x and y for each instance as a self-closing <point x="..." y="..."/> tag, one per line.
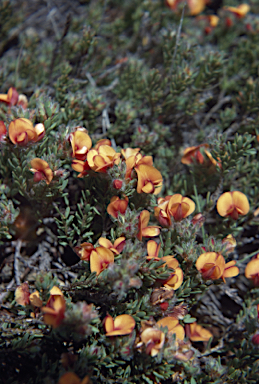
<point x="129" y="176"/>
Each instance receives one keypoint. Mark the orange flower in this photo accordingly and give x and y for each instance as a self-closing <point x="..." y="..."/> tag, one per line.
<point x="22" y="294"/>
<point x="176" y="278"/>
<point x="116" y="248"/>
<point x="117" y="205"/>
<point x="81" y="143"/>
<point x="153" y="250"/>
<point x="173" y="205"/>
<point x="239" y="11"/>
<point x="81" y="166"/>
<point x="193" y="154"/>
<point x="211" y="265"/>
<point x="54" y="311"/>
<point x="41" y="170"/>
<point x="35" y="299"/>
<point x="22" y="131"/>
<point x="11" y="98"/>
<point x="100" y="258"/>
<point x="153" y="339"/>
<point x="173" y="326"/>
<point x="3" y="131"/>
<point x="84" y="251"/>
<point x="102" y="158"/>
<point x="102" y="142"/>
<point x="196" y="6"/>
<point x="121" y="325"/>
<point x="180" y="207"/>
<point x="72" y="378"/>
<point x="230" y="243"/>
<point x="233" y="204"/>
<point x="134" y="158"/>
<point x="144" y="230"/>
<point x="149" y="179"/>
<point x="230" y="270"/>
<point x="196" y="332"/>
<point x="252" y="270"/>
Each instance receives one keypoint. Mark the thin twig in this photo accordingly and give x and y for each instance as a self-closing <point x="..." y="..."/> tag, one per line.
<point x="17" y="256"/>
<point x="177" y="40"/>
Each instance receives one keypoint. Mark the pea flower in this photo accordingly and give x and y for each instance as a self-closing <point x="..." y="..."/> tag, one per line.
<point x="134" y="158"/>
<point x="149" y="179"/>
<point x="175" y="206"/>
<point x="100" y="258"/>
<point x="84" y="251"/>
<point x="192" y="154"/>
<point x="54" y="311"/>
<point x="173" y="326"/>
<point x="121" y="325"/>
<point x="153" y="250"/>
<point x="233" y="204"/>
<point x="117" y="206"/>
<point x="144" y="230"/>
<point x="41" y="170"/>
<point x="81" y="143"/>
<point x="153" y="339"/>
<point x="239" y="11"/>
<point x="81" y="166"/>
<point x="22" y="294"/>
<point x="102" y="158"/>
<point x="195" y="6"/>
<point x="11" y="98"/>
<point x="116" y="248"/>
<point x="35" y="299"/>
<point x="252" y="270"/>
<point x="22" y="131"/>
<point x="3" y="131"/>
<point x="212" y="266"/>
<point x="196" y="332"/>
<point x="176" y="278"/>
<point x="230" y="243"/>
<point x="72" y="378"/>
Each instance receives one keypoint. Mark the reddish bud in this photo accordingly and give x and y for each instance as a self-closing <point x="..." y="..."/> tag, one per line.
<point x="117" y="184"/>
<point x="255" y="339"/>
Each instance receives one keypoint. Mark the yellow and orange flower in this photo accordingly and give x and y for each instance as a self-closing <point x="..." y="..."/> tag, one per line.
<point x="81" y="143"/>
<point x="102" y="142"/>
<point x="22" y="131"/>
<point x="144" y="230"/>
<point x="239" y="11"/>
<point x="230" y="270"/>
<point x="121" y="325"/>
<point x="84" y="251"/>
<point x="196" y="332"/>
<point x="116" y="248"/>
<point x="117" y="206"/>
<point x="81" y="166"/>
<point x="3" y="131"/>
<point x="72" y="378"/>
<point x="230" y="243"/>
<point x="173" y="326"/>
<point x="176" y="278"/>
<point x="35" y="299"/>
<point x="134" y="158"/>
<point x="211" y="265"/>
<point x="193" y="154"/>
<point x="149" y="179"/>
<point x="22" y="294"/>
<point x="11" y="98"/>
<point x="177" y="206"/>
<point x="41" y="170"/>
<point x="233" y="204"/>
<point x="252" y="270"/>
<point x="54" y="311"/>
<point x="153" y="339"/>
<point x="102" y="158"/>
<point x="195" y="6"/>
<point x="100" y="258"/>
<point x="153" y="249"/>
